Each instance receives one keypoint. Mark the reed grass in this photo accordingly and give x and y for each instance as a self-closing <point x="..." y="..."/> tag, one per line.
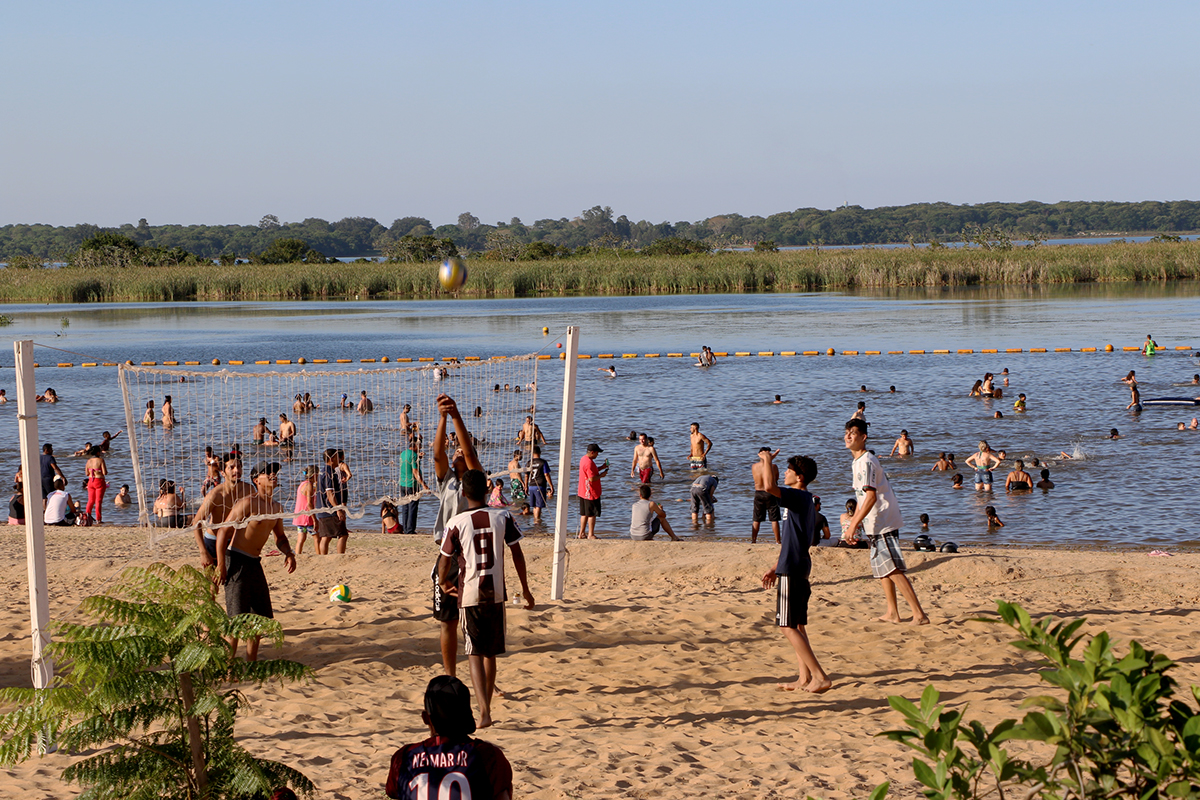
<point x="616" y="273"/>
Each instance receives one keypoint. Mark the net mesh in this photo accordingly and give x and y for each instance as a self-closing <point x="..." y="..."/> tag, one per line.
<point x="226" y="410"/>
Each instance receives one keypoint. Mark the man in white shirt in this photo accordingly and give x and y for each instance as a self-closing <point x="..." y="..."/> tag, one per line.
<point x="879" y="514"/>
<point x="58" y="505"/>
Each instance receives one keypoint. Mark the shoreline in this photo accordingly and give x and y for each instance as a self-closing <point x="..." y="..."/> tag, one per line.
<point x="656" y="676"/>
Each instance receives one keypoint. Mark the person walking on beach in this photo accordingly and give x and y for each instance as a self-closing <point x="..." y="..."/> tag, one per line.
<point x="216" y="506"/>
<point x="449" y="758"/>
<point x="879" y="513"/>
<point x="448" y="472"/>
<point x="475" y="540"/>
<point x="701" y="444"/>
<point x="766" y="504"/>
<point x="589" y="490"/>
<point x="791" y="570"/>
<point x="239" y="552"/>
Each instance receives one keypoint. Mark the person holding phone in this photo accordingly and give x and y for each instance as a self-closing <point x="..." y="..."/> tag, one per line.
<point x="589" y="490"/>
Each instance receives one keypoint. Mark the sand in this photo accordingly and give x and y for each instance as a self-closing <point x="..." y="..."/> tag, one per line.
<point x="657" y="676"/>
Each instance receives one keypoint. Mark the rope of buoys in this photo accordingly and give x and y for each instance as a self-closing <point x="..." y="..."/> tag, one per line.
<point x="1108" y="348"/>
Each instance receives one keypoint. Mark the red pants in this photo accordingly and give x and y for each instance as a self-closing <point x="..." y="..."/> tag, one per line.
<point x="95" y="487"/>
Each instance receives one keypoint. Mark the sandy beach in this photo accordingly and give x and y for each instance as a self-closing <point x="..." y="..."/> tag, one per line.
<point x="656" y="677"/>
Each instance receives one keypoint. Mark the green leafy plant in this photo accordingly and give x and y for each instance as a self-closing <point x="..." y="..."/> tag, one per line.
<point x="1118" y="732"/>
<point x="149" y="686"/>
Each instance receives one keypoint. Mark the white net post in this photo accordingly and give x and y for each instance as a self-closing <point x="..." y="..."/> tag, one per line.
<point x="41" y="667"/>
<point x="566" y="435"/>
<point x="131" y="432"/>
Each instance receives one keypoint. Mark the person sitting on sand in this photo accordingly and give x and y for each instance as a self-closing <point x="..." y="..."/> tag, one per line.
<point x="170" y="509"/>
<point x="449" y="758"/>
<point x="791" y="571"/>
<point x="850" y="538"/>
<point x="647" y="518"/>
<point x="993" y="520"/>
<point x="1018" y="480"/>
<point x="389" y="518"/>
<point x="942" y="464"/>
<point x="1045" y="482"/>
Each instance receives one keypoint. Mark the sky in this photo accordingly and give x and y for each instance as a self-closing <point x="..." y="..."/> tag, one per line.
<point x="221" y="112"/>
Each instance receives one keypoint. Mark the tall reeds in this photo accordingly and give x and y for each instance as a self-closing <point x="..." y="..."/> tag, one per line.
<point x="616" y="273"/>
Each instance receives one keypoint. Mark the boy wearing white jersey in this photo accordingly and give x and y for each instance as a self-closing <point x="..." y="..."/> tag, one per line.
<point x="879" y="514"/>
<point x="475" y="541"/>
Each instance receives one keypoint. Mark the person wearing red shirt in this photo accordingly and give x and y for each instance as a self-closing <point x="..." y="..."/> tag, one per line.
<point x="589" y="490"/>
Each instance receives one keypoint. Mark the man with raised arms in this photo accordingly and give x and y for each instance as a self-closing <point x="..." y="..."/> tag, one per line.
<point x="879" y="513"/>
<point x="766" y="504"/>
<point x="791" y="571"/>
<point x="239" y="552"/>
<point x="473" y="551"/>
<point x="449" y="472"/>
<point x="701" y="444"/>
<point x="216" y="506"/>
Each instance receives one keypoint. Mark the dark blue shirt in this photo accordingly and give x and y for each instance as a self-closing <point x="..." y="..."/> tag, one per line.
<point x="796" y="530"/>
<point x="330" y="479"/>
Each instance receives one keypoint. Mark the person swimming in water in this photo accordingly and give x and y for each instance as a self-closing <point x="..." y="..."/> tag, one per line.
<point x="1018" y="480"/>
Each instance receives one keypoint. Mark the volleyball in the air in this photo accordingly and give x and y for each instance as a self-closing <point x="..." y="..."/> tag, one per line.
<point x="339" y="594"/>
<point x="452" y="274"/>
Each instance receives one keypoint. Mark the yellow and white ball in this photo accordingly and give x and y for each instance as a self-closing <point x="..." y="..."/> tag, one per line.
<point x="339" y="594"/>
<point x="452" y="274"/>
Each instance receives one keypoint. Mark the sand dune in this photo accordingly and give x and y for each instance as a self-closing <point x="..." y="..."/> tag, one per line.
<point x="657" y="676"/>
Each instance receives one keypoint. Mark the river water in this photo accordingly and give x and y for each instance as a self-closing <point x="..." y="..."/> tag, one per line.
<point x="1125" y="493"/>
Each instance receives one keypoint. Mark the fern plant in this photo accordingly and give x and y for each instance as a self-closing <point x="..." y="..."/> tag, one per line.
<point x="149" y="685"/>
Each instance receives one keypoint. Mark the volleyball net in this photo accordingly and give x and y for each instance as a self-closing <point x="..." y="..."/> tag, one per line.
<point x="367" y="414"/>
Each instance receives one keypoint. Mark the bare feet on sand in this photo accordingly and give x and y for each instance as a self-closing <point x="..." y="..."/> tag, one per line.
<point x="814" y="686"/>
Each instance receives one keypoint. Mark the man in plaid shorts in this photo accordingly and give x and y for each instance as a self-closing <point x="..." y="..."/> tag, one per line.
<point x="879" y="514"/>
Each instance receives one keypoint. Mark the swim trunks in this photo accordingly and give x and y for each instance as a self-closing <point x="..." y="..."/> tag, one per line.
<point x="589" y="508"/>
<point x="645" y="474"/>
<point x="246" y="590"/>
<point x="483" y="629"/>
<point x="791" y="601"/>
<point x="766" y="506"/>
<point x="445" y="606"/>
<point x="697" y="462"/>
<point x="886" y="557"/>
<point x="536" y="498"/>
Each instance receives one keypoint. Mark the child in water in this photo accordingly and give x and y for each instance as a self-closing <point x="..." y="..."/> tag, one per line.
<point x="993" y="519"/>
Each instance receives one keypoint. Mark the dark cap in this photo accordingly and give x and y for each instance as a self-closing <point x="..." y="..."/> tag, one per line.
<point x="594" y="448"/>
<point x="263" y="467"/>
<point x="448" y="704"/>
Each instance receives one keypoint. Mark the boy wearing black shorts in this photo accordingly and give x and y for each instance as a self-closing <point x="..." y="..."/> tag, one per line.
<point x="791" y="572"/>
<point x="475" y="542"/>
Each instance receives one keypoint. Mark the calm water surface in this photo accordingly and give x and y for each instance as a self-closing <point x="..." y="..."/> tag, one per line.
<point x="1128" y="493"/>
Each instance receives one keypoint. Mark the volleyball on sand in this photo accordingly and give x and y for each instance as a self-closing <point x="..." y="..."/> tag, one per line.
<point x="339" y="594"/>
<point x="452" y="274"/>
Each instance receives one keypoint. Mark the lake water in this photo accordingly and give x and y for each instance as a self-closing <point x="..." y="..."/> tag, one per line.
<point x="1127" y="493"/>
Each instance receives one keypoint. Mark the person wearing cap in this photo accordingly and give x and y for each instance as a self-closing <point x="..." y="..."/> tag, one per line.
<point x="449" y="758"/>
<point x="239" y="551"/>
<point x="346" y="403"/>
<point x="217" y="505"/>
<point x="589" y="490"/>
<point x="448" y="472"/>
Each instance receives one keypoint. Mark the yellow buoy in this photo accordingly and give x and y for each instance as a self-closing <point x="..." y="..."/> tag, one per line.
<point x="216" y="361"/>
<point x="829" y="352"/>
<point x="545" y="330"/>
<point x="1108" y="348"/>
<point x="301" y="360"/>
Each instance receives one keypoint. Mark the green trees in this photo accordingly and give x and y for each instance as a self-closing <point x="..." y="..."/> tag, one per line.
<point x="148" y="688"/>
<point x="1117" y="731"/>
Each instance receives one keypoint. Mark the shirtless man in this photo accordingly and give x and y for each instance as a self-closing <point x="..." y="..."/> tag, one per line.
<point x="365" y="406"/>
<point x="298" y="404"/>
<point x="942" y="464"/>
<point x="861" y="411"/>
<point x="405" y="422"/>
<point x="216" y="507"/>
<point x="514" y="471"/>
<point x="645" y="458"/>
<point x="701" y="444"/>
<point x="530" y="432"/>
<point x="766" y="504"/>
<point x="287" y="432"/>
<point x="239" y="568"/>
<point x="259" y="432"/>
<point x="903" y="444"/>
<point x="168" y="412"/>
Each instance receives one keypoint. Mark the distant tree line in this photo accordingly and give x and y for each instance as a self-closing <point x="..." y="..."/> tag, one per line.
<point x="416" y="238"/>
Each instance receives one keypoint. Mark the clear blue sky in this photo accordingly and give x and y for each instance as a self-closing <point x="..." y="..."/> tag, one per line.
<point x="221" y="112"/>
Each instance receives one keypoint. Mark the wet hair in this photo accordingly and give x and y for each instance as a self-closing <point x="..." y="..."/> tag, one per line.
<point x="858" y="425"/>
<point x="764" y="449"/>
<point x="925" y="519"/>
<point x="956" y="480"/>
<point x="990" y="511"/>
<point x="862" y="404"/>
<point x="803" y="466"/>
<point x="94" y="450"/>
<point x="644" y="491"/>
<point x="1046" y="474"/>
<point x="1113" y="432"/>
<point x="1020" y="464"/>
<point x="474" y="485"/>
<point x="891" y="388"/>
<point x="777" y="397"/>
